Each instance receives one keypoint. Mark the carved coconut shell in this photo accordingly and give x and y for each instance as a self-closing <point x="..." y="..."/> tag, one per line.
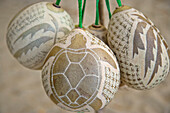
<point x="99" y="31"/>
<point x="81" y="73"/>
<point x="34" y="30"/>
<point x="141" y="50"/>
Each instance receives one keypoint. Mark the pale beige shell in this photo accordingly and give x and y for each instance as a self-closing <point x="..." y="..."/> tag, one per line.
<point x="140" y="48"/>
<point x="81" y="73"/>
<point x="99" y="31"/>
<point x="34" y="30"/>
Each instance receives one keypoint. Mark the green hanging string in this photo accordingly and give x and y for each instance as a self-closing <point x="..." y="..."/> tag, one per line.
<point x="119" y="3"/>
<point x="58" y="2"/>
<point x="80" y="13"/>
<point x="84" y="5"/>
<point x="97" y="13"/>
<point x="108" y="8"/>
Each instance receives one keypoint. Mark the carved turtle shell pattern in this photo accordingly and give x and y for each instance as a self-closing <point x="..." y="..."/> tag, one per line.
<point x="34" y="30"/>
<point x="81" y="73"/>
<point x="141" y="50"/>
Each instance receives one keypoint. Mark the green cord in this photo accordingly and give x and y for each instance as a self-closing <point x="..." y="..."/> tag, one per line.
<point x="108" y="8"/>
<point x="119" y="3"/>
<point x="97" y="13"/>
<point x="84" y="5"/>
<point x="58" y="2"/>
<point x="80" y="13"/>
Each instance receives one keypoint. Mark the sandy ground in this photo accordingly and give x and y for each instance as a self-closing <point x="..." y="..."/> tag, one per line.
<point x="21" y="89"/>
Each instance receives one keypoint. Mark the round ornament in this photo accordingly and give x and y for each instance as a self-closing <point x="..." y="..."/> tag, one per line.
<point x="141" y="50"/>
<point x="34" y="30"/>
<point x="81" y="73"/>
<point x="99" y="31"/>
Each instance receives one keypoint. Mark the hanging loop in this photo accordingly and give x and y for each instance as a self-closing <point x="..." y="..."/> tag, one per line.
<point x="80" y="13"/>
<point x="119" y="3"/>
<point x="97" y="13"/>
<point x="58" y="2"/>
<point x="108" y="8"/>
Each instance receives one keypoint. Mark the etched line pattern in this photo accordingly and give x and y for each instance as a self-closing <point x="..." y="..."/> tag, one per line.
<point x="120" y="43"/>
<point x="21" y="21"/>
<point x="151" y="38"/>
<point x="79" y="83"/>
<point x="96" y="41"/>
<point x="45" y="79"/>
<point x="120" y="33"/>
<point x="111" y="84"/>
<point x="32" y="31"/>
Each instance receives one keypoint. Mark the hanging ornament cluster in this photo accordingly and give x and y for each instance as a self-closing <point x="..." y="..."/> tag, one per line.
<point x="80" y="72"/>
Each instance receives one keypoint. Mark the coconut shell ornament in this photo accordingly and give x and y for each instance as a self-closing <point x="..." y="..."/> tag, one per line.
<point x="99" y="31"/>
<point x="81" y="72"/>
<point x="141" y="50"/>
<point x="34" y="30"/>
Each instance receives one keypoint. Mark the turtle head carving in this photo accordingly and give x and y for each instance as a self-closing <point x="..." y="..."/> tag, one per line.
<point x="78" y="42"/>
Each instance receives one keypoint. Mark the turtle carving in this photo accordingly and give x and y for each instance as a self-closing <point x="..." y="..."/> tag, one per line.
<point x="81" y="73"/>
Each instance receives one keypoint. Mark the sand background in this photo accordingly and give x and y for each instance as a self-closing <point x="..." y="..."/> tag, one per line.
<point x="21" y="89"/>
